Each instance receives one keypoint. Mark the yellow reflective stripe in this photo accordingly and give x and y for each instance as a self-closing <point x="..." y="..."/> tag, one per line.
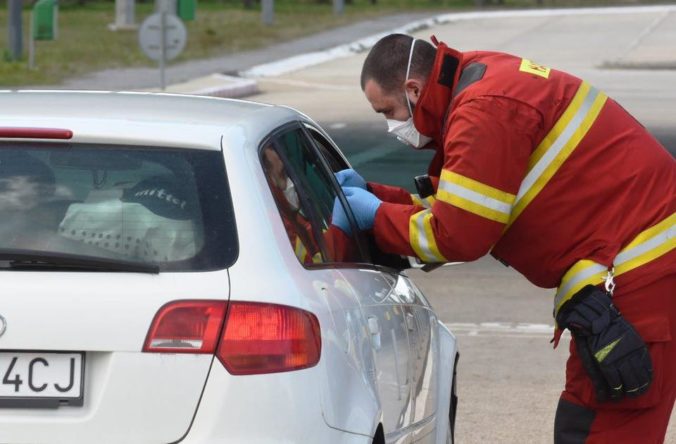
<point x="650" y="244"/>
<point x="557" y="146"/>
<point x="300" y="250"/>
<point x="474" y="196"/>
<point x="476" y="186"/>
<point x="317" y="258"/>
<point x="605" y="351"/>
<point x="422" y="239"/>
<point x="426" y="202"/>
<point x="473" y="207"/>
<point x="583" y="273"/>
<point x="652" y="231"/>
<point x="560" y="125"/>
<point x="647" y="246"/>
<point x="429" y="201"/>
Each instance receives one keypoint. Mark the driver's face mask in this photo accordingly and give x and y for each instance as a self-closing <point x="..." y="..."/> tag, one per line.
<point x="406" y="131"/>
<point x="291" y="195"/>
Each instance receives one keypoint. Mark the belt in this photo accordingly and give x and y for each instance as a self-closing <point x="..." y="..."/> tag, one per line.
<point x="650" y="244"/>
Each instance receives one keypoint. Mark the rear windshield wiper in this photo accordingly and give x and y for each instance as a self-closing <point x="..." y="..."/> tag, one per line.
<point x="51" y="260"/>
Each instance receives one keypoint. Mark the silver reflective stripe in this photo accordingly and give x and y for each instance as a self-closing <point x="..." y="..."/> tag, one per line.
<point x="475" y="197"/>
<point x="622" y="258"/>
<point x="646" y="246"/>
<point x="581" y="276"/>
<point x="423" y="242"/>
<point x="558" y="144"/>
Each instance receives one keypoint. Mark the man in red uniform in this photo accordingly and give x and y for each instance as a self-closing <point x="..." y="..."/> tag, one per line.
<point x="554" y="178"/>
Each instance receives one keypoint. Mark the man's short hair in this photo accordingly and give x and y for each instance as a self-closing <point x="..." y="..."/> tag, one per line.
<point x="387" y="60"/>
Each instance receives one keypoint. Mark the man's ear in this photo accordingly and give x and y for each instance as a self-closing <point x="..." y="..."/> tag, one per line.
<point x="413" y="89"/>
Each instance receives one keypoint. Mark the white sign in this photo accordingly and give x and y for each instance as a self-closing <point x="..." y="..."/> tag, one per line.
<point x="151" y="32"/>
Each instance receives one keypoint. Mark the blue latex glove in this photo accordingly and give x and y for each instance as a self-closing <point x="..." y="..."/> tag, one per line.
<point x="339" y="218"/>
<point x="350" y="178"/>
<point x="364" y="206"/>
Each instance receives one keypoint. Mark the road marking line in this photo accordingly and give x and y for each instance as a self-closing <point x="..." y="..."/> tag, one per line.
<point x="647" y="31"/>
<point x="501" y="329"/>
<point x="304" y="84"/>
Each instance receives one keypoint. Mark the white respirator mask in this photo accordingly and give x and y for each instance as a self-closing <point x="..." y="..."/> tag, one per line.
<point x="406" y="131"/>
<point x="291" y="195"/>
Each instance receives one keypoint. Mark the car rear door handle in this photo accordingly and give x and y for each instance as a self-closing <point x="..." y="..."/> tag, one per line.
<point x="410" y="322"/>
<point x="374" y="330"/>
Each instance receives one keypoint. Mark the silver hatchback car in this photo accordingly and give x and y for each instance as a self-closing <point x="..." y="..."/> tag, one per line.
<point x="171" y="274"/>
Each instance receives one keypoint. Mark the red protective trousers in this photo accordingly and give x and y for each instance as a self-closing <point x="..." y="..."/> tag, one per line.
<point x="580" y="419"/>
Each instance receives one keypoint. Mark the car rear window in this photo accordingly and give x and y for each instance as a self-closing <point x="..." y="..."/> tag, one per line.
<point x="169" y="207"/>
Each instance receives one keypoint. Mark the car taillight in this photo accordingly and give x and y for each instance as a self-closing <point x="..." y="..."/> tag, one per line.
<point x="268" y="338"/>
<point x="191" y="326"/>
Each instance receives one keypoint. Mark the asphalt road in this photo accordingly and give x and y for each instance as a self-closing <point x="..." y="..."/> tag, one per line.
<point x="509" y="376"/>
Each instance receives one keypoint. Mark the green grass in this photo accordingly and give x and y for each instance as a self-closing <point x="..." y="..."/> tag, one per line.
<point x="85" y="44"/>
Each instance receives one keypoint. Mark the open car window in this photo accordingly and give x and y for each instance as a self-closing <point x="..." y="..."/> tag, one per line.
<point x="167" y="207"/>
<point x="335" y="160"/>
<point x="306" y="195"/>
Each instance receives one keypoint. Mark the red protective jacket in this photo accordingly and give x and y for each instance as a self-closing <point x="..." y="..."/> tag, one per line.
<point x="339" y="247"/>
<point x="538" y="168"/>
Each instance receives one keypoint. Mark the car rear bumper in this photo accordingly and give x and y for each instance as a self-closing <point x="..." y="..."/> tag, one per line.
<point x="281" y="407"/>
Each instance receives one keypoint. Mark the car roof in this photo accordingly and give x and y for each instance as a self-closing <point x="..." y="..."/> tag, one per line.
<point x="141" y="118"/>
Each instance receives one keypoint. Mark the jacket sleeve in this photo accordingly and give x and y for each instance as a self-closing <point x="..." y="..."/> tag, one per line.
<point x="392" y="194"/>
<point x="389" y="193"/>
<point x="340" y="247"/>
<point x="486" y="151"/>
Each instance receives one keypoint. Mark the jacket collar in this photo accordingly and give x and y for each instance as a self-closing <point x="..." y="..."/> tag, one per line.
<point x="432" y="106"/>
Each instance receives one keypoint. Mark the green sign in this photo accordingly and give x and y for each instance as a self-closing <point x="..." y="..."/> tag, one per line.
<point x="186" y="9"/>
<point x="43" y="20"/>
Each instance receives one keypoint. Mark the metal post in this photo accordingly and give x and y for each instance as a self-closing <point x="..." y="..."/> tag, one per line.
<point x="56" y="19"/>
<point x="31" y="43"/>
<point x="124" y="13"/>
<point x="124" y="16"/>
<point x="168" y="6"/>
<point x="338" y="7"/>
<point x="268" y="12"/>
<point x="163" y="49"/>
<point x="15" y="29"/>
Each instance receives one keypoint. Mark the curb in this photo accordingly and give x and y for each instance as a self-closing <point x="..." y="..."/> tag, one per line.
<point x="216" y="85"/>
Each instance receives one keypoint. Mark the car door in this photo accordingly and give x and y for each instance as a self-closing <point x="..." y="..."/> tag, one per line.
<point x="380" y="291"/>
<point x="420" y="320"/>
<point x="305" y="197"/>
<point x="410" y="315"/>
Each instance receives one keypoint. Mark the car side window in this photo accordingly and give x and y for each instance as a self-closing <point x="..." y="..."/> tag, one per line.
<point x="336" y="161"/>
<point x="306" y="196"/>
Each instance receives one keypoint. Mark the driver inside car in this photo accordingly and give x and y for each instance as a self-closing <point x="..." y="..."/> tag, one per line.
<point x="339" y="245"/>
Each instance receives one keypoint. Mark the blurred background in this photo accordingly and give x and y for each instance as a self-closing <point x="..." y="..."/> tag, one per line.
<point x="86" y="42"/>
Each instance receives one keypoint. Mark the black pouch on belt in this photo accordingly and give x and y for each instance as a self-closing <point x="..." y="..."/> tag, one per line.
<point x="612" y="352"/>
<point x="423" y="184"/>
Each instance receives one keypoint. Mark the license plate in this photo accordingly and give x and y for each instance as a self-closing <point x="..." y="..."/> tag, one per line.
<point x="41" y="379"/>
